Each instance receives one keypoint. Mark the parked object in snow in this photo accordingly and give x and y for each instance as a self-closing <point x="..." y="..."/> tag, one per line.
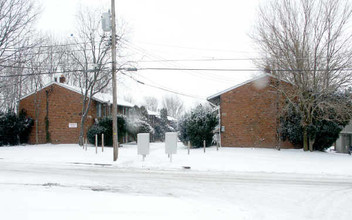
<point x="171" y="142"/>
<point x="143" y="144"/>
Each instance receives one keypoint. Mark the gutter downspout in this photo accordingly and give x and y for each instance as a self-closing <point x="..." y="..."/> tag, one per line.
<point x="220" y="121"/>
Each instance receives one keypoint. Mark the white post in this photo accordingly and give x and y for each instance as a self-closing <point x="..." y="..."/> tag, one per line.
<point x="102" y="142"/>
<point x="189" y="146"/>
<point x="204" y="145"/>
<point x="96" y="143"/>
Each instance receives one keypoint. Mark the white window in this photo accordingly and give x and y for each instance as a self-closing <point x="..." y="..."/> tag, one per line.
<point x="98" y="109"/>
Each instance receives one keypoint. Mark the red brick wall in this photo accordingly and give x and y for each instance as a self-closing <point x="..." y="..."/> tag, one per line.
<point x="65" y="107"/>
<point x="249" y="115"/>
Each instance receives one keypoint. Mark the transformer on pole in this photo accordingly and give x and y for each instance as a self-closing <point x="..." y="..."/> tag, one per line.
<point x="106" y="22"/>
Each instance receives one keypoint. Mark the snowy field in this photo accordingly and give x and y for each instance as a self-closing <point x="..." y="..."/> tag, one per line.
<point x="67" y="182"/>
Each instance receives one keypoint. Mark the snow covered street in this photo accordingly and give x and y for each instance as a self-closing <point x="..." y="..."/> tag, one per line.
<point x="40" y="182"/>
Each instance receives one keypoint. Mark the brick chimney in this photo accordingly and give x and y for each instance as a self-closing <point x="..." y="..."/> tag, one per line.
<point x="62" y="79"/>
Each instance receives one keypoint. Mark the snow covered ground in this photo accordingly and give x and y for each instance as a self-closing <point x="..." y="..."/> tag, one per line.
<point x="67" y="182"/>
<point x="226" y="159"/>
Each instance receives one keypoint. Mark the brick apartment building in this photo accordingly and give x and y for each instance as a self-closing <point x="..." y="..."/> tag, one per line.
<point x="62" y="105"/>
<point x="249" y="114"/>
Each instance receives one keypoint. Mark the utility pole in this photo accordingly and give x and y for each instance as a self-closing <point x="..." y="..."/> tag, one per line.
<point x="114" y="89"/>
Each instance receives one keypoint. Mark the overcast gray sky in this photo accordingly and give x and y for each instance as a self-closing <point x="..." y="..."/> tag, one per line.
<point x="160" y="30"/>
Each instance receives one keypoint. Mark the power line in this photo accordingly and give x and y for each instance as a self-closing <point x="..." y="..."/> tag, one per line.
<point x="194" y="73"/>
<point x="195" y="48"/>
<point x="48" y="46"/>
<point x="38" y="74"/>
<point x="240" y="70"/>
<point x="200" y="60"/>
<point x="43" y="68"/>
<point x="172" y="69"/>
<point x="164" y="89"/>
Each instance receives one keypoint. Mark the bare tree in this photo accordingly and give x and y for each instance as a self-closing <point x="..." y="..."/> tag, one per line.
<point x="91" y="55"/>
<point x="129" y="98"/>
<point x="307" y="43"/>
<point x="151" y="103"/>
<point x="16" y="19"/>
<point x="174" y="105"/>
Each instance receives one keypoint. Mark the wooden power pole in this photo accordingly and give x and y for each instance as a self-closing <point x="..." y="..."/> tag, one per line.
<point x="114" y="89"/>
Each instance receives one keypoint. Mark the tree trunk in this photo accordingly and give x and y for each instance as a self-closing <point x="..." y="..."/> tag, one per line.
<point x="311" y="142"/>
<point x="81" y="131"/>
<point x="305" y="138"/>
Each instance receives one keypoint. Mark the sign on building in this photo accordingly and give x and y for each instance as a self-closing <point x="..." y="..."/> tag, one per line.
<point x="72" y="125"/>
<point x="143" y="144"/>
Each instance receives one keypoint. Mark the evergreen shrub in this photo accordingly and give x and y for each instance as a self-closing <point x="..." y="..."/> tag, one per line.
<point x="198" y="125"/>
<point x="14" y="129"/>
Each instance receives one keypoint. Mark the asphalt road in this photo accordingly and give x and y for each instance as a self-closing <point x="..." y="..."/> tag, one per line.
<point x="109" y="176"/>
<point x="262" y="195"/>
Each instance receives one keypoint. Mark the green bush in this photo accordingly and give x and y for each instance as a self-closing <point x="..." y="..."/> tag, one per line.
<point x="197" y="126"/>
<point x="14" y="129"/>
<point x="162" y="125"/>
<point x="135" y="126"/>
<point x="323" y="132"/>
<point x="104" y="126"/>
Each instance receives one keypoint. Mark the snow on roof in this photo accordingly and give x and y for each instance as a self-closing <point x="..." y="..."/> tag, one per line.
<point x="153" y="113"/>
<point x="238" y="85"/>
<point x="107" y="98"/>
<point x="157" y="114"/>
<point x="243" y="83"/>
<point x="171" y="118"/>
<point x="100" y="97"/>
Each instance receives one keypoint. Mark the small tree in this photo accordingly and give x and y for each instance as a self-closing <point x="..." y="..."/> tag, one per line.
<point x="162" y="125"/>
<point x="197" y="126"/>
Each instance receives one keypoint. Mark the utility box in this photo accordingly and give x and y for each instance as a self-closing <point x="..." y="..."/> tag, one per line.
<point x="171" y="143"/>
<point x="143" y="144"/>
<point x="222" y="128"/>
<point x="106" y="22"/>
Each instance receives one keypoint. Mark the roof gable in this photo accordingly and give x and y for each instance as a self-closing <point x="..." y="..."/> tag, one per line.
<point x="100" y="97"/>
<point x="240" y="84"/>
